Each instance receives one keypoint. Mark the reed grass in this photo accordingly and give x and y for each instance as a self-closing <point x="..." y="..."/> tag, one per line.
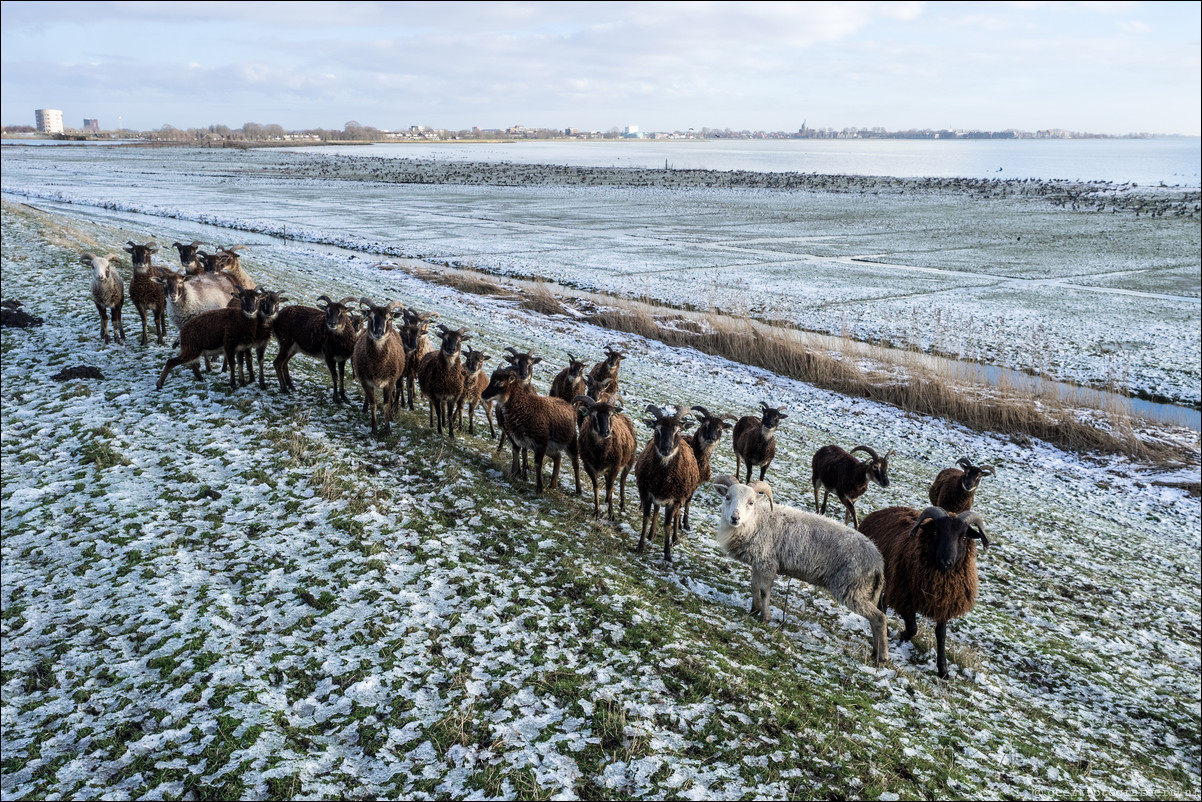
<point x="903" y="376"/>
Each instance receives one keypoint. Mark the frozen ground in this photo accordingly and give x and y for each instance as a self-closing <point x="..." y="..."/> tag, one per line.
<point x="1002" y="272"/>
<point x="215" y="594"/>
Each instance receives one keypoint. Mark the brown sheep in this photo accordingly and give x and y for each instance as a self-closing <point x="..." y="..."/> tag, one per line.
<point x="930" y="566"/>
<point x="755" y="439"/>
<point x="441" y="377"/>
<point x="955" y="489"/>
<point x="837" y="470"/>
<point x="378" y="359"/>
<point x="666" y="474"/>
<point x="148" y="295"/>
<point x="607" y="449"/>
<point x="535" y="422"/>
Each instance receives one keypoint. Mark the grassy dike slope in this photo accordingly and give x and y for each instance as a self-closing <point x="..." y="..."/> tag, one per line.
<point x="214" y="594"/>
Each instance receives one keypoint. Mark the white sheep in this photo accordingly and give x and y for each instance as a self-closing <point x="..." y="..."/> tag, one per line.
<point x="785" y="540"/>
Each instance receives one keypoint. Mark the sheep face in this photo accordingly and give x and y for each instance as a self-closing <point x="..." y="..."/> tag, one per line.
<point x="524" y="363"/>
<point x="140" y="254"/>
<point x="770" y="419"/>
<point x="269" y="305"/>
<point x="337" y="316"/>
<point x="102" y="267"/>
<point x="878" y="470"/>
<point x="473" y="361"/>
<point x="973" y="474"/>
<point x="452" y="341"/>
<point x="666" y="433"/>
<point x="500" y="384"/>
<point x="709" y="427"/>
<point x="248" y="300"/>
<point x="612" y="359"/>
<point x="377" y="320"/>
<point x="187" y="253"/>
<point x="947" y="538"/>
<point x="602" y="414"/>
<point x="739" y="505"/>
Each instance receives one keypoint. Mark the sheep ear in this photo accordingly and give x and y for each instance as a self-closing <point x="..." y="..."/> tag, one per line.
<point x="723" y="483"/>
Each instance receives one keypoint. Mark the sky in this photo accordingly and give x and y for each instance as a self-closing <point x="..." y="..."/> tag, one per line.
<point x="1106" y="68"/>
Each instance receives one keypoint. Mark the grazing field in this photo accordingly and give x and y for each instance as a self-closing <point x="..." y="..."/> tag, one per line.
<point x="212" y="594"/>
<point x="1091" y="283"/>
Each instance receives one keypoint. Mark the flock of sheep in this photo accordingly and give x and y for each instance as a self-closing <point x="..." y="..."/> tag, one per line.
<point x="915" y="562"/>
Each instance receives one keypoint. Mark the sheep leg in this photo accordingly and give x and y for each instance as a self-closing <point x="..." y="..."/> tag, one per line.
<point x="850" y="516"/>
<point x="539" y="453"/>
<point x="671" y="529"/>
<point x="814" y="481"/>
<point x="142" y="312"/>
<point x="160" y="324"/>
<point x="688" y="503"/>
<point x="500" y="425"/>
<point x="389" y="408"/>
<point x="646" y="505"/>
<point x="766" y="580"/>
<point x="755" y="592"/>
<point x="763" y="470"/>
<point x="911" y="621"/>
<point x="451" y="405"/>
<point x="369" y="401"/>
<point x="826" y="494"/>
<point x="863" y="605"/>
<point x="609" y="494"/>
<point x="592" y="475"/>
<point x="261" y="352"/>
<point x="622" y="492"/>
<point x="118" y="324"/>
<point x="340" y="386"/>
<point x="488" y="417"/>
<point x="556" y="459"/>
<point x="104" y="322"/>
<point x="940" y="644"/>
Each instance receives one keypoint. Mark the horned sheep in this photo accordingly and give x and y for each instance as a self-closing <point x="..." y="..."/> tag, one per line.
<point x="538" y="423"/>
<point x="666" y="475"/>
<point x="755" y="439"/>
<point x="955" y="489"/>
<point x="930" y="566"/>
<point x="325" y="333"/>
<point x="607" y="449"/>
<point x="837" y="470"/>
<point x="378" y="359"/>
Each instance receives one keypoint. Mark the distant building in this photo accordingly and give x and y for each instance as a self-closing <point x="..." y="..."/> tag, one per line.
<point x="49" y="121"/>
<point x="630" y="130"/>
<point x="91" y="125"/>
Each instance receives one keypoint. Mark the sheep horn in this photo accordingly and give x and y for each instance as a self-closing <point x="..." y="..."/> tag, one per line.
<point x="974" y="520"/>
<point x="395" y="305"/>
<point x="987" y="470"/>
<point x="868" y="450"/>
<point x="325" y="298"/>
<point x="583" y="399"/>
<point x="765" y="488"/>
<point x="929" y="514"/>
<point x="652" y="409"/>
<point x="366" y="302"/>
<point x="724" y="481"/>
<point x="347" y="300"/>
<point x="705" y="413"/>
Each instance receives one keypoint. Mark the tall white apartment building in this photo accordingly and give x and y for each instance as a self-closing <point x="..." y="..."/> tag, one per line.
<point x="50" y="121"/>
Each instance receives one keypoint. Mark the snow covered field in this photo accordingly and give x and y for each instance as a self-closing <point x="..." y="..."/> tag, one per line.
<point x="985" y="271"/>
<point x="214" y="594"/>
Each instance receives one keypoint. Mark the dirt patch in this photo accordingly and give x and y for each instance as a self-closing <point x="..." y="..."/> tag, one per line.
<point x="78" y="372"/>
<point x="11" y="315"/>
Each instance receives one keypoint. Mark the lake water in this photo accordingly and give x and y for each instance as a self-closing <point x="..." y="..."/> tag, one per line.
<point x="1173" y="161"/>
